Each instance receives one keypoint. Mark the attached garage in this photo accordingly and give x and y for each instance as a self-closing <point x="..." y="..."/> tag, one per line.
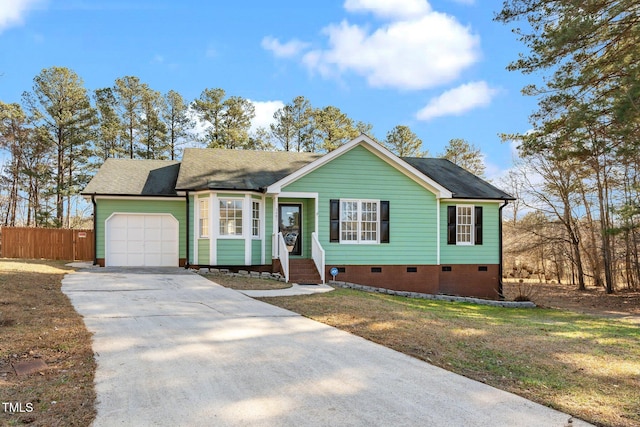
<point x="142" y="240"/>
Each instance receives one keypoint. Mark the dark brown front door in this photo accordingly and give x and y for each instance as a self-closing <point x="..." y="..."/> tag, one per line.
<point x="290" y="217"/>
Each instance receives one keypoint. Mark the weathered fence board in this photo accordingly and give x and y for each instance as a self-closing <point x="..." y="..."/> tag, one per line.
<point x="47" y="243"/>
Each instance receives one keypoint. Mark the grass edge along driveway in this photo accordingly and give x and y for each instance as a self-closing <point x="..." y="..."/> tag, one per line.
<point x="39" y="324"/>
<point x="587" y="366"/>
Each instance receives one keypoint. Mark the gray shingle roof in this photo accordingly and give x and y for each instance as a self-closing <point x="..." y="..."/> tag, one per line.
<point x="222" y="169"/>
<point x="135" y="178"/>
<point x="463" y="184"/>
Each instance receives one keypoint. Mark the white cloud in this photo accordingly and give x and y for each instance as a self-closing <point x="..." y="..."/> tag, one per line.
<point x="264" y="113"/>
<point x="458" y="101"/>
<point x="389" y="9"/>
<point x="417" y="48"/>
<point x="283" y="50"/>
<point x="412" y="55"/>
<point x="12" y="12"/>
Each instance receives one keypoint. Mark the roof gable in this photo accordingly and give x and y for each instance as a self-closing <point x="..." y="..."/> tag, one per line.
<point x="376" y="149"/>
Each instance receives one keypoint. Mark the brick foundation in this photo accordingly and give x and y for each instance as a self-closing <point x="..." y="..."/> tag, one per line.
<point x="467" y="280"/>
<point x="459" y="279"/>
<point x="396" y="277"/>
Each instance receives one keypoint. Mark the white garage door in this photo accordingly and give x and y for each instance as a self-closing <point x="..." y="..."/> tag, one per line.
<point x="141" y="240"/>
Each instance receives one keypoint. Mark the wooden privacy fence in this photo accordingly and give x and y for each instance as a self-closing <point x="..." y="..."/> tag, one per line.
<point x="47" y="243"/>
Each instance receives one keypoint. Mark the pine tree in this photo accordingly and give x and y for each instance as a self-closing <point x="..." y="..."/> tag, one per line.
<point x="403" y="142"/>
<point x="177" y="122"/>
<point x="465" y="155"/>
<point x="60" y="107"/>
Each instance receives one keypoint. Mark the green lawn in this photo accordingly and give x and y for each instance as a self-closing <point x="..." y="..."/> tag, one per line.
<point x="587" y="366"/>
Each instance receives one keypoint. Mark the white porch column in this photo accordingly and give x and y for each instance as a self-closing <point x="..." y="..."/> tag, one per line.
<point x="317" y="211"/>
<point x="275" y="228"/>
<point x="437" y="231"/>
<point x="263" y="210"/>
<point x="246" y="228"/>
<point x="214" y="229"/>
<point x="196" y="227"/>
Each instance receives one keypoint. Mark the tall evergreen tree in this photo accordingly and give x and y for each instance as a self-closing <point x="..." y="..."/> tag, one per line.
<point x="403" y="142"/>
<point x="293" y="125"/>
<point x="177" y="121"/>
<point x="128" y="93"/>
<point x="465" y="155"/>
<point x="301" y="116"/>
<point x="14" y="138"/>
<point x="152" y="128"/>
<point x="210" y="108"/>
<point x="238" y="113"/>
<point x="61" y="109"/>
<point x="109" y="128"/>
<point x="332" y="128"/>
<point x="283" y="129"/>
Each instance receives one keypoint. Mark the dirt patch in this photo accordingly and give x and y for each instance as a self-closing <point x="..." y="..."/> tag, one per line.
<point x="623" y="304"/>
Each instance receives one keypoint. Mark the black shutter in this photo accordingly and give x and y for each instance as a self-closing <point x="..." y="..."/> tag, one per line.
<point x="451" y="225"/>
<point x="384" y="222"/>
<point x="334" y="220"/>
<point x="478" y="222"/>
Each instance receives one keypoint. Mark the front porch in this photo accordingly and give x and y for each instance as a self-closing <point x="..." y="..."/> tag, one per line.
<point x="296" y="250"/>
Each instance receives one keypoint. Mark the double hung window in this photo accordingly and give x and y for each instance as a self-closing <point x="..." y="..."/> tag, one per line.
<point x="464" y="225"/>
<point x="203" y="218"/>
<point x="255" y="219"/>
<point x="359" y="221"/>
<point x="230" y="217"/>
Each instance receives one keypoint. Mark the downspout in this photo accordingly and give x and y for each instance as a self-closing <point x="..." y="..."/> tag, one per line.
<point x="186" y="262"/>
<point x="95" y="231"/>
<point x="500" y="284"/>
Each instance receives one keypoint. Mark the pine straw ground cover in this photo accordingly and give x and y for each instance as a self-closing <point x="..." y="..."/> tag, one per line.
<point x="584" y="365"/>
<point x="38" y="323"/>
<point x="246" y="283"/>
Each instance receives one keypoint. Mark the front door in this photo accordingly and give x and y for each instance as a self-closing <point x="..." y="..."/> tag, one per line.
<point x="291" y="226"/>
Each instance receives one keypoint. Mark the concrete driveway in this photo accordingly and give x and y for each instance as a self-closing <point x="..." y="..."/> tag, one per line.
<point x="174" y="349"/>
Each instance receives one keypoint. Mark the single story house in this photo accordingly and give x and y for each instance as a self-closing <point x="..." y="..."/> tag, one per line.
<point x="414" y="224"/>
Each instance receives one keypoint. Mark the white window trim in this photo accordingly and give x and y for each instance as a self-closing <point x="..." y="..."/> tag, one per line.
<point x="471" y="241"/>
<point x="358" y="241"/>
<point x="244" y="213"/>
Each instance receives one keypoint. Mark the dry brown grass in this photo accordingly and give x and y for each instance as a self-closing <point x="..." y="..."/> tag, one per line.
<point x="37" y="321"/>
<point x="246" y="283"/>
<point x="587" y="366"/>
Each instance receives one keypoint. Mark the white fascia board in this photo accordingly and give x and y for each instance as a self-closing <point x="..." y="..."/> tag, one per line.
<point x="462" y="201"/>
<point x="167" y="198"/>
<point x="374" y="147"/>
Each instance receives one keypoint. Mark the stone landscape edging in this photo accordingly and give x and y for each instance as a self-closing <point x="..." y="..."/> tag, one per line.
<point x="450" y="298"/>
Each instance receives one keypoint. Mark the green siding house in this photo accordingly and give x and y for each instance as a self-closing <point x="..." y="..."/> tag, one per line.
<point x="414" y="224"/>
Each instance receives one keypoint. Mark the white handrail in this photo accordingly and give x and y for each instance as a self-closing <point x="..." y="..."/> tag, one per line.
<point x="317" y="253"/>
<point x="283" y="254"/>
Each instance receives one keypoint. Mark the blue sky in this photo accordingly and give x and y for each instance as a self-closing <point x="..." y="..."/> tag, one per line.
<point x="437" y="66"/>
